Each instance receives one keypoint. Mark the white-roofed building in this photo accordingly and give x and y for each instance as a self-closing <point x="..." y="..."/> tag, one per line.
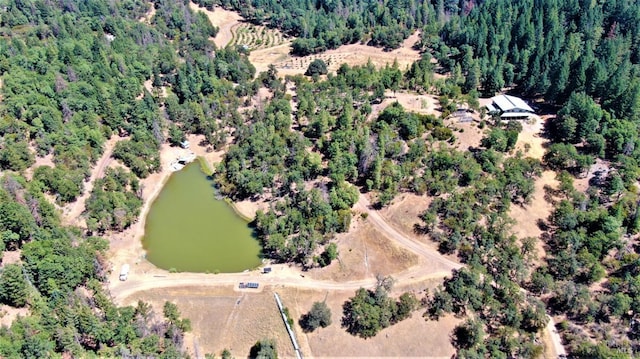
<point x="509" y="108"/>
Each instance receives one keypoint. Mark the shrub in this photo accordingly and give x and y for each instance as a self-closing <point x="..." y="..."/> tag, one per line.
<point x="317" y="67"/>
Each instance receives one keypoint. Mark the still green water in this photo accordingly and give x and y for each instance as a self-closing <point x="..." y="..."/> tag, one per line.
<point x="190" y="230"/>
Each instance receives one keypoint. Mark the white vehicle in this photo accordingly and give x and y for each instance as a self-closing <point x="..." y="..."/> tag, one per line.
<point x="124" y="272"/>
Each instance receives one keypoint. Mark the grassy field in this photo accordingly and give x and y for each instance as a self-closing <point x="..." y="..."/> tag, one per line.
<point x="226" y="318"/>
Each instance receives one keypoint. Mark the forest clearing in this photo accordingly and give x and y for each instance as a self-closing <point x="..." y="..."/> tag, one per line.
<point x="353" y="55"/>
<point x="271" y="47"/>
<point x="415" y="179"/>
<point x="239" y="327"/>
<point x="223" y="19"/>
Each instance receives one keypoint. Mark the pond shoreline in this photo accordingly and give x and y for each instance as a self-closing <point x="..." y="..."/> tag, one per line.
<point x="126" y="247"/>
<point x="247" y="213"/>
<point x="188" y="229"/>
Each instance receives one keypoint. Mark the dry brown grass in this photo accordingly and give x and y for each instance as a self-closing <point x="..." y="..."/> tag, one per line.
<point x="403" y="214"/>
<point x="527" y="217"/>
<point x="530" y="140"/>
<point x="404" y="211"/>
<point x="225" y="318"/>
<point x="354" y="54"/>
<point x="532" y="144"/>
<point x="40" y="161"/>
<point x="412" y="337"/>
<point x="364" y="252"/>
<point x="411" y="102"/>
<point x="223" y="19"/>
<point x="468" y="134"/>
<point x="9" y="314"/>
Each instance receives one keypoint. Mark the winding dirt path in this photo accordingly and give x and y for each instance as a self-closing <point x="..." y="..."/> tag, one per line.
<point x="72" y="212"/>
<point x="383" y="226"/>
<point x="285" y="276"/>
<point x="146" y="19"/>
<point x="221" y="18"/>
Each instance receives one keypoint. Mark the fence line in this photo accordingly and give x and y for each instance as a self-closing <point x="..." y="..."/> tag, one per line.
<point x="292" y="335"/>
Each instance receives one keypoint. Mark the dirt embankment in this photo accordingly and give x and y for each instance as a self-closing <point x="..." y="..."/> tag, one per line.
<point x="126" y="247"/>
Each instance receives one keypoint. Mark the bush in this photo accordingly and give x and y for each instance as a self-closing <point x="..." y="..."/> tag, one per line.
<point x="442" y="133"/>
<point x="318" y="316"/>
<point x="317" y="67"/>
<point x="264" y="349"/>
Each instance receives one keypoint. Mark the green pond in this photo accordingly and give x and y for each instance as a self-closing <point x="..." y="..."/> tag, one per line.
<point x="189" y="230"/>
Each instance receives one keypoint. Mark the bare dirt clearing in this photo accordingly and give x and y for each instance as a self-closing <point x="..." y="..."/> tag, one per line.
<point x="531" y="144"/>
<point x="40" y="161"/>
<point x="468" y="134"/>
<point x="599" y="170"/>
<point x="527" y="217"/>
<point x="9" y="314"/>
<point x="10" y="257"/>
<point x="354" y="54"/>
<point x="365" y="252"/>
<point x="530" y="140"/>
<point x="223" y="19"/>
<point x="149" y="15"/>
<point x="411" y="102"/>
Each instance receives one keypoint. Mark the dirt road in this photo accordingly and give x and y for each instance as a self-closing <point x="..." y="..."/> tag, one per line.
<point x="223" y="19"/>
<point x="281" y="275"/>
<point x="558" y="348"/>
<point x="416" y="247"/>
<point x="72" y="212"/>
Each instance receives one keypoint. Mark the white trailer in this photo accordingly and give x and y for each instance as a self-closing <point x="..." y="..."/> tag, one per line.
<point x="124" y="272"/>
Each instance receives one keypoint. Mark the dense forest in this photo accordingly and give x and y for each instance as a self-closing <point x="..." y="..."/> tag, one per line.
<point x="327" y="24"/>
<point x="73" y="76"/>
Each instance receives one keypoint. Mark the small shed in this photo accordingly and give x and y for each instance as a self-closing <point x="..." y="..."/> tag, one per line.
<point x="266" y="270"/>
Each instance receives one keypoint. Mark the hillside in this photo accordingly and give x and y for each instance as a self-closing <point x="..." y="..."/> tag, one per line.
<point x="355" y="171"/>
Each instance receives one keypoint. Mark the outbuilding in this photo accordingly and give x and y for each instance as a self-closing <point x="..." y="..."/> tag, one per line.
<point x="509" y="108"/>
